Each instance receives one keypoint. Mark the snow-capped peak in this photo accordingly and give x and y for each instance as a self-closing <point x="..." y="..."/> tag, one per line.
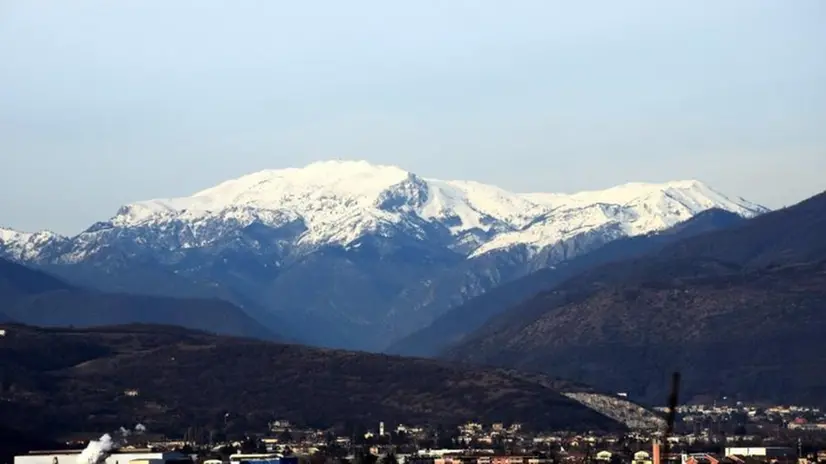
<point x="8" y="235"/>
<point x="627" y="193"/>
<point x="625" y="210"/>
<point x="24" y="246"/>
<point x="337" y="202"/>
<point x="276" y="189"/>
<point x="352" y="179"/>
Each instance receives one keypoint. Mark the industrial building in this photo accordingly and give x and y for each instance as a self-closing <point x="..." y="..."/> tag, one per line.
<point x="125" y="457"/>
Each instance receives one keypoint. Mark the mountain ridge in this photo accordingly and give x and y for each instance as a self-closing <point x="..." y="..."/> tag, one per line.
<point x="347" y="254"/>
<point x="449" y="328"/>
<point x="280" y="196"/>
<point x="713" y="305"/>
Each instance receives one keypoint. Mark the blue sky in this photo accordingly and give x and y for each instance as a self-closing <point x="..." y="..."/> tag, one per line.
<point x="103" y="103"/>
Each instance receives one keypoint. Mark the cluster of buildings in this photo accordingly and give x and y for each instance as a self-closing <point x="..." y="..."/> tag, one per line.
<point x="131" y="455"/>
<point x="706" y="434"/>
<point x="744" y="422"/>
<point x="656" y="454"/>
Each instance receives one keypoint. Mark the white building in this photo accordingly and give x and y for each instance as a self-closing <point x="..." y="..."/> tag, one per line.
<point x="130" y="457"/>
<point x="762" y="451"/>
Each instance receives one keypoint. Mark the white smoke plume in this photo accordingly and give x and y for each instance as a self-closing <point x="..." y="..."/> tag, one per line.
<point x="97" y="450"/>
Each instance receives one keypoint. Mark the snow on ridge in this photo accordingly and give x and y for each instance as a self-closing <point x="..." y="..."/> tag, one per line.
<point x="348" y="178"/>
<point x="20" y="245"/>
<point x="341" y="201"/>
<point x="619" y="194"/>
<point x="314" y="192"/>
<point x="11" y="235"/>
<point x="634" y="209"/>
<point x="472" y="203"/>
<point x="692" y="190"/>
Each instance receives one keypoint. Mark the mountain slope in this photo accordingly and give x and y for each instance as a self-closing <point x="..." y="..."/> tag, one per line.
<point x="17" y="280"/>
<point x="34" y="297"/>
<point x="75" y="379"/>
<point x="349" y="254"/>
<point x="737" y="310"/>
<point x="457" y="323"/>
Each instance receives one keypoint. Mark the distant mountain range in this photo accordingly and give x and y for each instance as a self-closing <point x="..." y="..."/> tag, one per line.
<point x="349" y="254"/>
<point x="57" y="380"/>
<point x="614" y="289"/>
<point x="739" y="311"/>
<point x="33" y="297"/>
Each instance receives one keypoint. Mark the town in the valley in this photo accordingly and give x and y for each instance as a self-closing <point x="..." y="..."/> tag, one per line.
<point x="701" y="434"/>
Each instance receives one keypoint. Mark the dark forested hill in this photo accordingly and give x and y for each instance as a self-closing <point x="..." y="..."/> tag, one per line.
<point x="13" y="442"/>
<point x="33" y="297"/>
<point x="73" y="379"/>
<point x="453" y="326"/>
<point x="738" y="311"/>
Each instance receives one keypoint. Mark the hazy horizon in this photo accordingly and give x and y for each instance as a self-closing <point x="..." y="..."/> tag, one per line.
<point x="109" y="103"/>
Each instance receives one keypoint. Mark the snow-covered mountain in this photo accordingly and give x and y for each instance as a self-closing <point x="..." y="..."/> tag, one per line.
<point x="338" y="202"/>
<point x="28" y="246"/>
<point x="354" y="245"/>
